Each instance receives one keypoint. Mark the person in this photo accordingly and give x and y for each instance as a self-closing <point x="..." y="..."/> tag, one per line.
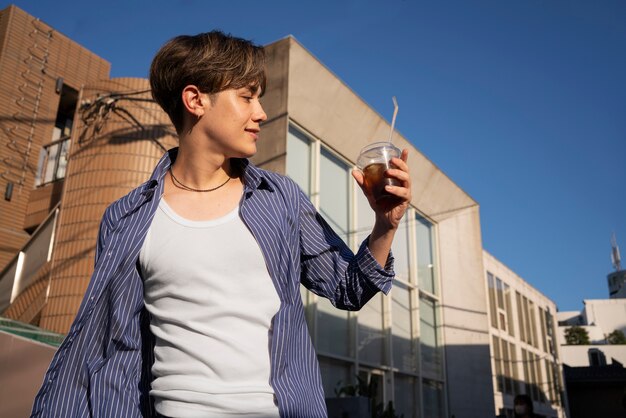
<point x="194" y="307"/>
<point x="523" y="406"/>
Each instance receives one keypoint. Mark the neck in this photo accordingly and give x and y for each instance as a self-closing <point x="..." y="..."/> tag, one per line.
<point x="201" y="169"/>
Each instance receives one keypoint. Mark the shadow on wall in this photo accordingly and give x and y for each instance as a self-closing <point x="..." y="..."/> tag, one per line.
<point x="339" y="341"/>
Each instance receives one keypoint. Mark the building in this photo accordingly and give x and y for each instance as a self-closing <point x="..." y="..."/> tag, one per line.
<point x="617" y="279"/>
<point x="594" y="372"/>
<point x="425" y="347"/>
<point x="524" y="350"/>
<point x="599" y="318"/>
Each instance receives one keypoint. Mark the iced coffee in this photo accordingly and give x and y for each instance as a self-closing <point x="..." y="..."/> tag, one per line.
<point x="374" y="160"/>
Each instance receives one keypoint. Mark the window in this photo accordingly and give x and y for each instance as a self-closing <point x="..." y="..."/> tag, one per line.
<point x="381" y="342"/>
<point x="429" y="339"/>
<point x="596" y="357"/>
<point x="542" y="320"/>
<point x="333" y="330"/>
<point x="520" y="317"/>
<point x="509" y="309"/>
<point x="492" y="300"/>
<point x="433" y="398"/>
<point x="514" y="375"/>
<point x="527" y="375"/>
<point x="371" y="335"/>
<point x="53" y="157"/>
<point x="533" y="323"/>
<point x="497" y="359"/>
<point x="52" y="162"/>
<point x="508" y="384"/>
<point x="425" y="259"/>
<point x="403" y="341"/>
<point x="335" y="374"/>
<point x="299" y="159"/>
<point x="406" y="405"/>
<point x="335" y="184"/>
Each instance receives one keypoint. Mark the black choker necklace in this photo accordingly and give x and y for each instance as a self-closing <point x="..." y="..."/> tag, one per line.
<point x="180" y="185"/>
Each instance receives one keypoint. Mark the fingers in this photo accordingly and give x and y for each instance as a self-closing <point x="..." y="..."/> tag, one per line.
<point x="405" y="155"/>
<point x="401" y="170"/>
<point x="402" y="192"/>
<point x="358" y="176"/>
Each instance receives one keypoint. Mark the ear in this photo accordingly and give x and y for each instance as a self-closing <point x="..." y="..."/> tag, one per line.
<point x="193" y="100"/>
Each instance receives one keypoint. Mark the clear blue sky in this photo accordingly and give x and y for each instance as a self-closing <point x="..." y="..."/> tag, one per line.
<point x="521" y="103"/>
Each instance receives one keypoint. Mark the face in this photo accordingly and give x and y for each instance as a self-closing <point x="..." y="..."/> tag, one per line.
<point x="231" y="122"/>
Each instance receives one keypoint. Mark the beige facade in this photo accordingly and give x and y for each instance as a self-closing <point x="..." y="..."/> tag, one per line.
<point x="525" y="352"/>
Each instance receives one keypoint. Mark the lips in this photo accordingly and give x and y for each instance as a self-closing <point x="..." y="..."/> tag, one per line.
<point x="254" y="132"/>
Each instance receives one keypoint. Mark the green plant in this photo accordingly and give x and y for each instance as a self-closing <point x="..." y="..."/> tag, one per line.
<point x="616" y="337"/>
<point x="576" y="335"/>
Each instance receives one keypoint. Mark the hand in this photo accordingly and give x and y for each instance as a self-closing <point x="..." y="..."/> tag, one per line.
<point x="389" y="212"/>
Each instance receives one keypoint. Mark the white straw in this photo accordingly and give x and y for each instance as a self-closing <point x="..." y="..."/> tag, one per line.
<point x="393" y="119"/>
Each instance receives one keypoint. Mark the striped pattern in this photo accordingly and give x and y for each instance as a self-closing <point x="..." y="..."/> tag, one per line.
<point x="102" y="369"/>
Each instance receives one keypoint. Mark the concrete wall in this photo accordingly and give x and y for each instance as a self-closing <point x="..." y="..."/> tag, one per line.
<point x="578" y="355"/>
<point x="23" y="363"/>
<point x="465" y="321"/>
<point x="607" y="314"/>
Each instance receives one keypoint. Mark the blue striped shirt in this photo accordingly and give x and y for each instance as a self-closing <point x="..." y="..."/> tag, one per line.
<point x="102" y="368"/>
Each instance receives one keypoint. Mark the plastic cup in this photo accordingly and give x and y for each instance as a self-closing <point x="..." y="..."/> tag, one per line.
<point x="374" y="160"/>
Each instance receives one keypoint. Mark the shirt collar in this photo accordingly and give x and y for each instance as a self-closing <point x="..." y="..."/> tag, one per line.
<point x="254" y="178"/>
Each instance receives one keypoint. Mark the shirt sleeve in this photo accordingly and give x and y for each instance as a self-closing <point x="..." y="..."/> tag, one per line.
<point x="330" y="269"/>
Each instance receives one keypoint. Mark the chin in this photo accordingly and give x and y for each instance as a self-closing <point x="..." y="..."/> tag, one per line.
<point x="245" y="153"/>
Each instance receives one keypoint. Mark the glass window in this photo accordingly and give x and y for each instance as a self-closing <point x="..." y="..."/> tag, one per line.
<point x="52" y="162"/>
<point x="62" y="164"/>
<point x="335" y="193"/>
<point x="405" y="396"/>
<point x="364" y="218"/>
<point x="401" y="329"/>
<point x="429" y="341"/>
<point x="542" y="320"/>
<point x="497" y="360"/>
<point x="492" y="300"/>
<point x="371" y="337"/>
<point x="520" y="316"/>
<point x="533" y="377"/>
<point x="533" y="323"/>
<point x="508" y="387"/>
<point x="400" y="249"/>
<point x="433" y="399"/>
<point x="514" y="374"/>
<point x="425" y="266"/>
<point x="527" y="377"/>
<point x="529" y="337"/>
<point x="499" y="291"/>
<point x="299" y="159"/>
<point x="335" y="374"/>
<point x="540" y="382"/>
<point x="333" y="329"/>
<point x="509" y="309"/>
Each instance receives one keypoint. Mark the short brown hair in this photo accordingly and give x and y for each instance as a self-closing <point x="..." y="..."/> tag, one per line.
<point x="212" y="61"/>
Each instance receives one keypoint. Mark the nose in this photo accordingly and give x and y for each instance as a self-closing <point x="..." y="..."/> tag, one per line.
<point x="259" y="114"/>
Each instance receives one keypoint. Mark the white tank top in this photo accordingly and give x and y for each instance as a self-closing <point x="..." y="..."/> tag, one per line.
<point x="211" y="301"/>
